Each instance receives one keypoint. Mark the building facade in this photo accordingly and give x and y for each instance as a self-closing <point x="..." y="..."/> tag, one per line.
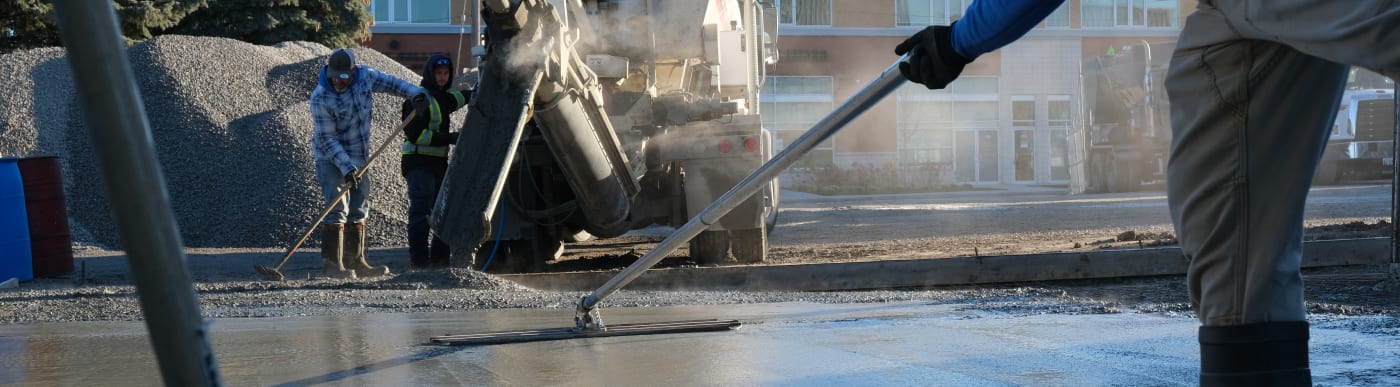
<point x="409" y="31"/>
<point x="1005" y="121"/>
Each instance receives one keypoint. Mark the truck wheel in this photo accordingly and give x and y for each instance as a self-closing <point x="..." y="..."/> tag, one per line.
<point x="523" y="256"/>
<point x="1122" y="178"/>
<point x="750" y="246"/>
<point x="709" y="247"/>
<point x="1098" y="175"/>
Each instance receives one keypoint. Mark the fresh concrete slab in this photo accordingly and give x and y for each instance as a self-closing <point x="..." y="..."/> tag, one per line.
<point x="784" y="344"/>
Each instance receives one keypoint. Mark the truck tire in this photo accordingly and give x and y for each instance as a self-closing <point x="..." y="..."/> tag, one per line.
<point x="1122" y="178"/>
<point x="750" y="246"/>
<point x="709" y="247"/>
<point x="1098" y="174"/>
<point x="526" y="256"/>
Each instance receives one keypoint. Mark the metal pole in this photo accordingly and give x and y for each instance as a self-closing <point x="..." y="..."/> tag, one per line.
<point x="140" y="204"/>
<point x="824" y="129"/>
<point x="1394" y="186"/>
<point x="651" y="36"/>
<point x="476" y="30"/>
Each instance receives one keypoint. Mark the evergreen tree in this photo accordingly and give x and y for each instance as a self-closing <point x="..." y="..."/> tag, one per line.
<point x="335" y="23"/>
<point x="28" y="24"/>
<point x="142" y="19"/>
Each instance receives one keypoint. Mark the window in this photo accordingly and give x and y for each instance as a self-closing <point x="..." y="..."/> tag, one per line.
<point x="1129" y="13"/>
<point x="920" y="13"/>
<point x="1059" y="18"/>
<point x="804" y="12"/>
<point x="412" y="11"/>
<point x="792" y="105"/>
<point x="927" y="119"/>
<point x="1023" y="110"/>
<point x="1060" y="111"/>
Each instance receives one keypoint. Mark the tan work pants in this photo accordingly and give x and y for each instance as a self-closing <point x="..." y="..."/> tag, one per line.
<point x="1254" y="87"/>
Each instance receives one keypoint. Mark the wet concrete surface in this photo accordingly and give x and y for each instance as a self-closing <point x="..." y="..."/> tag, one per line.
<point x="782" y="344"/>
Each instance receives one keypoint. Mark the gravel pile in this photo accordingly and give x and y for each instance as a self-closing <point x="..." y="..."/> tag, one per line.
<point x="232" y="129"/>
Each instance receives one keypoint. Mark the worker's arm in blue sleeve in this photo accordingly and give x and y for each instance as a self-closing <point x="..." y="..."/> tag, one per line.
<point x="988" y="25"/>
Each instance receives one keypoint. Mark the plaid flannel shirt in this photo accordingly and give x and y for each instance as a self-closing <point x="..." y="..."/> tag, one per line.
<point x="342" y="119"/>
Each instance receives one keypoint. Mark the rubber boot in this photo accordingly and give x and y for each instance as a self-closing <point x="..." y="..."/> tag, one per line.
<point x="1260" y="354"/>
<point x="355" y="252"/>
<point x="331" y="252"/>
<point x="418" y="250"/>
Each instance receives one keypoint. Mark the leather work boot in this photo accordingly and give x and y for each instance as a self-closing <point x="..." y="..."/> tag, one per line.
<point x="331" y="253"/>
<point x="354" y="257"/>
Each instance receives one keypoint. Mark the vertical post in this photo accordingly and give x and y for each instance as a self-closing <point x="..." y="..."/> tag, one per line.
<point x="136" y="188"/>
<point x="476" y="31"/>
<point x="651" y="36"/>
<point x="1394" y="187"/>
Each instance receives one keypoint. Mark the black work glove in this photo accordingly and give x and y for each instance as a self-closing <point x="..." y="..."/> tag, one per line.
<point x="452" y="138"/>
<point x="932" y="60"/>
<point x="420" y="102"/>
<point x="352" y="180"/>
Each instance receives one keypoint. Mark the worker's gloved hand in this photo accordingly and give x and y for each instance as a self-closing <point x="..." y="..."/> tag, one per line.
<point x="452" y="138"/>
<point x="352" y="178"/>
<point x="420" y="102"/>
<point x="932" y="60"/>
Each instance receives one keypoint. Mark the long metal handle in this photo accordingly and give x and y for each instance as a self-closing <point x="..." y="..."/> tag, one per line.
<point x="882" y="86"/>
<point x="140" y="204"/>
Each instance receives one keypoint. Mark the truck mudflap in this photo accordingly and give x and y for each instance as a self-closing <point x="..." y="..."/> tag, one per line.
<point x="481" y="163"/>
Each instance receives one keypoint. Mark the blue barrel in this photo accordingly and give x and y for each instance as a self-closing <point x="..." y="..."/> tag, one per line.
<point x="15" y="259"/>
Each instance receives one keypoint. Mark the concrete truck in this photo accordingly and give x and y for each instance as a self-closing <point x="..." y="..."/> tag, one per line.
<point x="593" y="118"/>
<point x="1121" y="140"/>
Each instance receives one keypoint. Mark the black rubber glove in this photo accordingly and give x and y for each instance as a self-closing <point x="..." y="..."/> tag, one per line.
<point x="452" y="138"/>
<point x="932" y="60"/>
<point x="420" y="102"/>
<point x="352" y="180"/>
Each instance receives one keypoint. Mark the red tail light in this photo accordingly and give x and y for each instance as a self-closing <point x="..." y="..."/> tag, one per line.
<point x="750" y="144"/>
<point x="725" y="146"/>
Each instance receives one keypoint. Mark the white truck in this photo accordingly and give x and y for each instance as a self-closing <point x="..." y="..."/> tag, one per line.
<point x="593" y="118"/>
<point x="1362" y="140"/>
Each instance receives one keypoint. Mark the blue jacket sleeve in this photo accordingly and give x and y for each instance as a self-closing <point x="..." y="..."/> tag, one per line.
<point x="988" y="25"/>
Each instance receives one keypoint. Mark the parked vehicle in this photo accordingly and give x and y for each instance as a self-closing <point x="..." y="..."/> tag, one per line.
<point x="1121" y="141"/>
<point x="1361" y="146"/>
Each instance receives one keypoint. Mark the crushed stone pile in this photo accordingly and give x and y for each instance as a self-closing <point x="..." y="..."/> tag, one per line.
<point x="232" y="130"/>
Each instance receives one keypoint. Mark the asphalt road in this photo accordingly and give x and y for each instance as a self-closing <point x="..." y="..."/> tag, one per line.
<point x="807" y="219"/>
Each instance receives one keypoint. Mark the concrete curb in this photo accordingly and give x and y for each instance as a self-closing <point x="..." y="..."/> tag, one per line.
<point x="940" y="271"/>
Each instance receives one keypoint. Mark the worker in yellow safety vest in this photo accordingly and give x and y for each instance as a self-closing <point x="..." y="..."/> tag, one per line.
<point x="425" y="145"/>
